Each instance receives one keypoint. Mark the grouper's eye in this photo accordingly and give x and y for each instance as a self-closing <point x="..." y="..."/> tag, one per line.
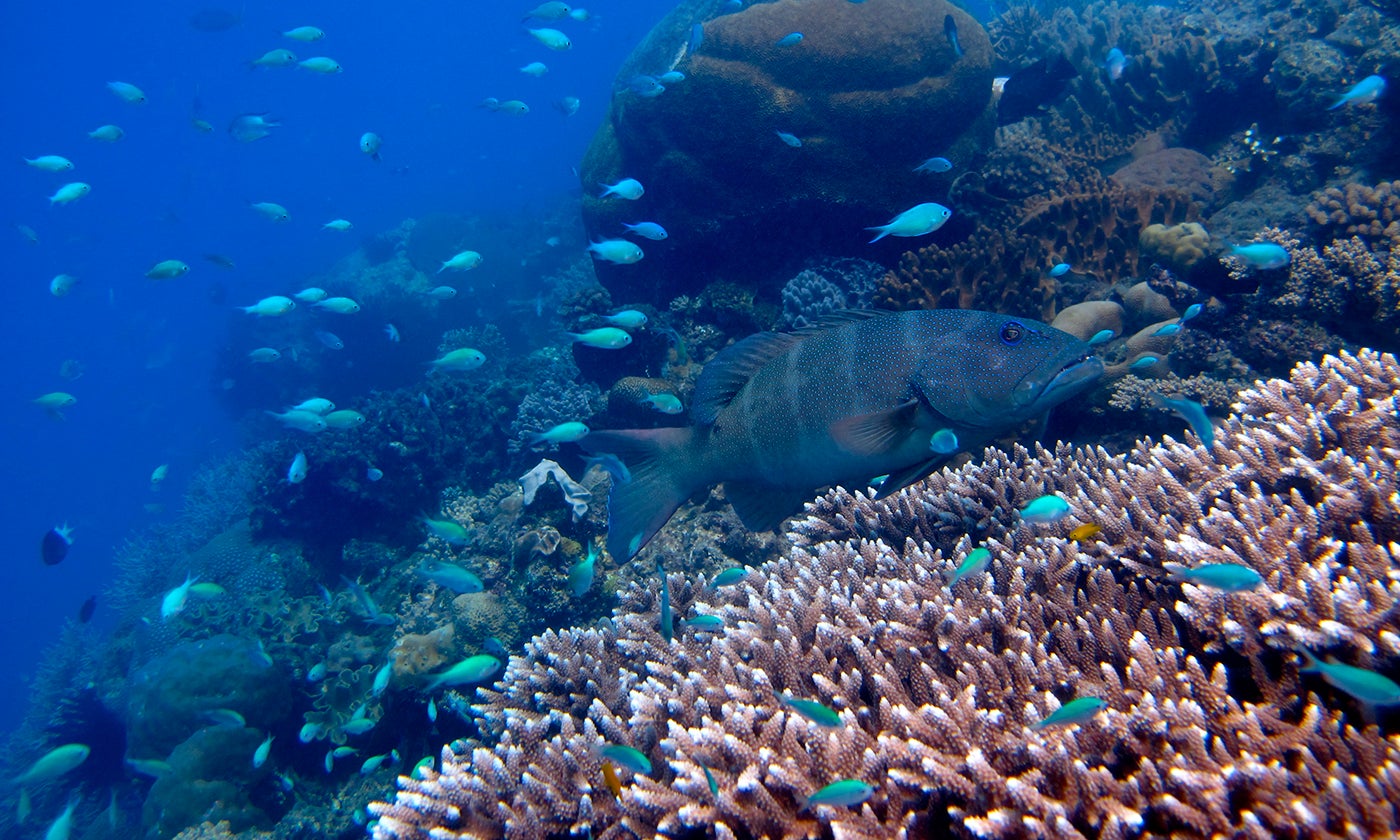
<point x="1012" y="333"/>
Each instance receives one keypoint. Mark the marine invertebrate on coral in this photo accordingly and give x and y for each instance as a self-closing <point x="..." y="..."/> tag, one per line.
<point x="937" y="689"/>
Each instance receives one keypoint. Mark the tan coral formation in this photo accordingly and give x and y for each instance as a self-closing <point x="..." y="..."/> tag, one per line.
<point x="937" y="687"/>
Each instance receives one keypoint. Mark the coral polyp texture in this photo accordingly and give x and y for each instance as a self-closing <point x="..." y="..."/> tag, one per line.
<point x="1207" y="727"/>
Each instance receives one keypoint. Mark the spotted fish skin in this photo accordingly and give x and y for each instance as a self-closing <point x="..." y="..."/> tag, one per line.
<point x="777" y="416"/>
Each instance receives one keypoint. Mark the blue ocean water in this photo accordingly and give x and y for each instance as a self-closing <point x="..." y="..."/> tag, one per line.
<point x="148" y="350"/>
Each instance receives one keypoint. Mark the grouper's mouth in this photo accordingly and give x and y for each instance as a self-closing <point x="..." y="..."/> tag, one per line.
<point x="1073" y="377"/>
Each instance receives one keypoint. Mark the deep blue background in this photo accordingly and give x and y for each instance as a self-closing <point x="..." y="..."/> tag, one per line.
<point x="414" y="73"/>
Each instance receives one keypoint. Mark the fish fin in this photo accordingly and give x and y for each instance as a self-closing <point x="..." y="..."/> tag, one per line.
<point x="839" y="318"/>
<point x="763" y="507"/>
<point x="903" y="478"/>
<point x="730" y="370"/>
<point x="660" y="482"/>
<point x="875" y="433"/>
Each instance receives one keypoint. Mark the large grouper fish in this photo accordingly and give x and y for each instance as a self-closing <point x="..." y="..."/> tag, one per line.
<point x="778" y="416"/>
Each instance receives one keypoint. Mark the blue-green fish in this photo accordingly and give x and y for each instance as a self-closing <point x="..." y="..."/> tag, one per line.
<point x="666" y="403"/>
<point x="812" y="710"/>
<point x="1227" y="577"/>
<point x="55" y="763"/>
<point x="779" y="415"/>
<point x="456" y="578"/>
<point x="704" y="623"/>
<point x="710" y="782"/>
<point x="562" y="433"/>
<point x="790" y="139"/>
<point x="1143" y="362"/>
<point x="581" y="573"/>
<point x="633" y="319"/>
<point x="448" y="531"/>
<point x="1102" y="336"/>
<point x="1167" y="329"/>
<point x="668" y="629"/>
<point x="475" y="669"/>
<point x="625" y="756"/>
<point x="840" y="794"/>
<point x="1078" y="710"/>
<point x="944" y="442"/>
<point x="1059" y="270"/>
<point x="1192" y="412"/>
<point x="263" y="751"/>
<point x="1191" y="311"/>
<point x="1367" y="90"/>
<point x="730" y="576"/>
<point x="976" y="560"/>
<point x="1045" y="509"/>
<point x="1262" y="255"/>
<point x="790" y="39"/>
<point x="606" y="338"/>
<point x="1365" y="685"/>
<point x="936" y="165"/>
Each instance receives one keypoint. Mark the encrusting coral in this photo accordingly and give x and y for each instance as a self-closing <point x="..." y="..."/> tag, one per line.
<point x="939" y="689"/>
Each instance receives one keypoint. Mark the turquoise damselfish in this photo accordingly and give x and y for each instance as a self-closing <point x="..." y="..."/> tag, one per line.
<point x="1046" y="509"/>
<point x="1078" y="710"/>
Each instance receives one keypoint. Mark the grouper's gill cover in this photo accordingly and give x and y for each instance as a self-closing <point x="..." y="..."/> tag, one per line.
<point x="778" y="416"/>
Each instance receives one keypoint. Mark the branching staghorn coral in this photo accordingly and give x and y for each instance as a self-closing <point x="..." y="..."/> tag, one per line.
<point x="937" y="688"/>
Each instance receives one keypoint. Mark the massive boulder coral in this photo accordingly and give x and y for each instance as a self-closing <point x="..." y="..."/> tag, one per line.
<point x="870" y="91"/>
<point x="938" y="688"/>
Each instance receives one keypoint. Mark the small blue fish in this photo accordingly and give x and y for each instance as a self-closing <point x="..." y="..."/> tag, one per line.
<point x="1059" y="270"/>
<point x="392" y="332"/>
<point x="790" y="39"/>
<point x="1045" y="510"/>
<point x="668" y="629"/>
<point x="666" y="403"/>
<point x="1192" y="412"/>
<point x="729" y="577"/>
<point x="697" y="38"/>
<point x="1262" y="255"/>
<point x="704" y="623"/>
<point x="373" y="473"/>
<point x="646" y="87"/>
<point x="456" y="578"/>
<point x="493" y="646"/>
<point x="330" y="339"/>
<point x="648" y="230"/>
<point x="1144" y="362"/>
<point x="626" y="757"/>
<point x="1227" y="577"/>
<point x="977" y="559"/>
<point x="1365" y="685"/>
<point x="950" y="29"/>
<point x="1167" y="329"/>
<point x="1191" y="311"/>
<point x="1367" y="90"/>
<point x="790" y="139"/>
<point x="1079" y="710"/>
<point x="710" y="782"/>
<point x="842" y="794"/>
<point x="629" y="319"/>
<point x="944" y="442"/>
<point x="672" y="77"/>
<point x="936" y="165"/>
<point x="581" y="573"/>
<point x="1102" y="336"/>
<point x="1114" y="64"/>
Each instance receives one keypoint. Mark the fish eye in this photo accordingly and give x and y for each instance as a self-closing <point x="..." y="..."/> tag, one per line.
<point x="1012" y="333"/>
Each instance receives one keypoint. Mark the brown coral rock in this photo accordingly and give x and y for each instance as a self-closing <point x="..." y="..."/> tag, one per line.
<point x="866" y="85"/>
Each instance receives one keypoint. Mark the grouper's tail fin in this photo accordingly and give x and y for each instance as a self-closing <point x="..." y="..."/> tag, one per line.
<point x="663" y="476"/>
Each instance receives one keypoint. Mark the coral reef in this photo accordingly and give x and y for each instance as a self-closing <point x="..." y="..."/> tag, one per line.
<point x="938" y="689"/>
<point x="862" y="91"/>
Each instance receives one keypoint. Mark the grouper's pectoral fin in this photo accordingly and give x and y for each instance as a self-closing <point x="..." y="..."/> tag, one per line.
<point x="900" y="479"/>
<point x="876" y="433"/>
<point x="763" y="507"/>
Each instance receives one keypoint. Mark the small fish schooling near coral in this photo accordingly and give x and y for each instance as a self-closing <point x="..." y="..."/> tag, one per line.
<point x="863" y="394"/>
<point x="1365" y="685"/>
<point x="1262" y="255"/>
<point x="1363" y="92"/>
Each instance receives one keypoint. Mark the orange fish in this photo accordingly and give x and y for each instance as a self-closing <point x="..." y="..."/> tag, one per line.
<point x="611" y="780"/>
<point x="1085" y="532"/>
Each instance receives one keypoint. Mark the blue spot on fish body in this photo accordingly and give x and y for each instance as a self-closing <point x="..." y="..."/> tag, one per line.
<point x="1101" y="337"/>
<point x="1060" y="270"/>
<point x="1143" y="362"/>
<point x="944" y="442"/>
<point x="789" y="40"/>
<point x="1167" y="329"/>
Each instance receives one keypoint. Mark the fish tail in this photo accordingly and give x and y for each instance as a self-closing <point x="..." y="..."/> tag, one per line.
<point x="884" y="231"/>
<point x="663" y="476"/>
<point x="1339" y="103"/>
<point x="1313" y="666"/>
<point x="1175" y="570"/>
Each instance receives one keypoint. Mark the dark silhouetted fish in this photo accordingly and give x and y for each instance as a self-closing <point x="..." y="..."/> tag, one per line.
<point x="54" y="546"/>
<point x="215" y="20"/>
<point x="778" y="416"/>
<point x="87" y="609"/>
<point x="950" y="30"/>
<point x="1032" y="87"/>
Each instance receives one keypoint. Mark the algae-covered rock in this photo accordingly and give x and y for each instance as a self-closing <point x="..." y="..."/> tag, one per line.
<point x="871" y="90"/>
<point x="171" y="696"/>
<point x="211" y="778"/>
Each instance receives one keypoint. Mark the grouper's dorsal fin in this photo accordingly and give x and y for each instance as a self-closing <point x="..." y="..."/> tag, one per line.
<point x="731" y="369"/>
<point x="877" y="432"/>
<point x="839" y="318"/>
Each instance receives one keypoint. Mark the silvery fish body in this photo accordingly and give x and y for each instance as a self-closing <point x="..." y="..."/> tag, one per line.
<point x="778" y="416"/>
